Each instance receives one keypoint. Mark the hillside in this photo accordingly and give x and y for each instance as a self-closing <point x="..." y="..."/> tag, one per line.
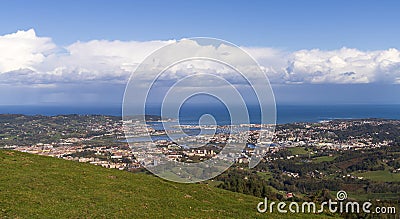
<point x="33" y="186"/>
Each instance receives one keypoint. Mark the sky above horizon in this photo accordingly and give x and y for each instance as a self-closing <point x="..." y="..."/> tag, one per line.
<point x="313" y="52"/>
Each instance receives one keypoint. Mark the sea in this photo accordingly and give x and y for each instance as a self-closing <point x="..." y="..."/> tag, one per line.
<point x="190" y="115"/>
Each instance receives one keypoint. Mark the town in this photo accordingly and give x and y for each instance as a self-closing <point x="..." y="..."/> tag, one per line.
<point x="99" y="140"/>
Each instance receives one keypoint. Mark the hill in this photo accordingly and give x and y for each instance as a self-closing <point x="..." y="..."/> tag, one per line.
<point x="33" y="186"/>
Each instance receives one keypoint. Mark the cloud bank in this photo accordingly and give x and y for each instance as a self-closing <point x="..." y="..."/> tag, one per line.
<point x="27" y="59"/>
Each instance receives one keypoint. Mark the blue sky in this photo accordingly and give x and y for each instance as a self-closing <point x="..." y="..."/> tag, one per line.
<point x="60" y="55"/>
<point x="293" y="25"/>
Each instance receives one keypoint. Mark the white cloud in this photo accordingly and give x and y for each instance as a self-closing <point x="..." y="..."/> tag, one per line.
<point x="23" y="49"/>
<point x="343" y="66"/>
<point x="99" y="60"/>
<point x="26" y="58"/>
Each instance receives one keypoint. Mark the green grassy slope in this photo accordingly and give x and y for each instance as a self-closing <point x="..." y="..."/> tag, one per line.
<point x="380" y="176"/>
<point x="34" y="186"/>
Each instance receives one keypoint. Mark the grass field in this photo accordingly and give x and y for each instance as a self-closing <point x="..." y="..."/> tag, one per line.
<point x="298" y="150"/>
<point x="380" y="176"/>
<point x="33" y="186"/>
